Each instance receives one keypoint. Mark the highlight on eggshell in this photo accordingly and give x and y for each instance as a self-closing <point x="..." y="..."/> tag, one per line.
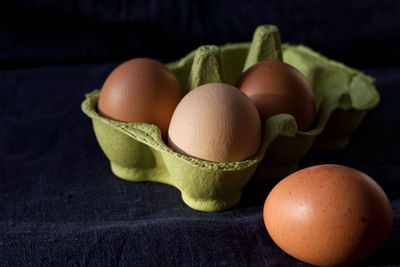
<point x="140" y="90"/>
<point x="215" y="122"/>
<point x="328" y="215"/>
<point x="276" y="87"/>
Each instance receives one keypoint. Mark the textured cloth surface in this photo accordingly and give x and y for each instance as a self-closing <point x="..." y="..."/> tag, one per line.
<point x="107" y="30"/>
<point x="61" y="205"/>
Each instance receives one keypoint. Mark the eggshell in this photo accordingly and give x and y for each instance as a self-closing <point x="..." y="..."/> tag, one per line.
<point x="215" y="122"/>
<point x="276" y="87"/>
<point x="140" y="90"/>
<point x="328" y="215"/>
<point x="136" y="152"/>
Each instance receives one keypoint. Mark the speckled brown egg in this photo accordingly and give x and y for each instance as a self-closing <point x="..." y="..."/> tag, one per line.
<point x="328" y="215"/>
<point x="140" y="90"/>
<point x="276" y="87"/>
<point x="215" y="122"/>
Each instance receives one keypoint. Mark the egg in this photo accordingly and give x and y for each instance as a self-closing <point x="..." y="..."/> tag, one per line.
<point x="215" y="122"/>
<point x="276" y="87"/>
<point x="140" y="90"/>
<point x="328" y="215"/>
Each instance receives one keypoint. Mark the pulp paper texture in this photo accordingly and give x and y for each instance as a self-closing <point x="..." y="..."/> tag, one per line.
<point x="137" y="153"/>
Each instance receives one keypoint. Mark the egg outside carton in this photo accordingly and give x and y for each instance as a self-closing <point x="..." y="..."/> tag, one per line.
<point x="137" y="152"/>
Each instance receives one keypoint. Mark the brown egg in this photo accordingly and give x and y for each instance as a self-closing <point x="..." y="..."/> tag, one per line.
<point x="215" y="122"/>
<point x="328" y="215"/>
<point x="276" y="87"/>
<point x="140" y="90"/>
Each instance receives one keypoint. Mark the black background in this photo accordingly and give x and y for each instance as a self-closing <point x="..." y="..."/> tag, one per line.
<point x="59" y="202"/>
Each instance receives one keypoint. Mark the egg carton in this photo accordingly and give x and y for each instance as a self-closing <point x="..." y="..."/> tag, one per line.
<point x="137" y="152"/>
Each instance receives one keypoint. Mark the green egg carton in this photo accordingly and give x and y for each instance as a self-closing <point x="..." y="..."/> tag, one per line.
<point x="137" y="152"/>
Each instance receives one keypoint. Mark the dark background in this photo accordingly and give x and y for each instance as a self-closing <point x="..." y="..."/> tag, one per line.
<point x="59" y="202"/>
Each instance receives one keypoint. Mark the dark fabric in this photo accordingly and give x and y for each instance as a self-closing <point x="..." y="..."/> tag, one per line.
<point x="60" y="204"/>
<point x="359" y="32"/>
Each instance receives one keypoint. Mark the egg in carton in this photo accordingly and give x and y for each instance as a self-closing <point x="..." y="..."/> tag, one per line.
<point x="137" y="152"/>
